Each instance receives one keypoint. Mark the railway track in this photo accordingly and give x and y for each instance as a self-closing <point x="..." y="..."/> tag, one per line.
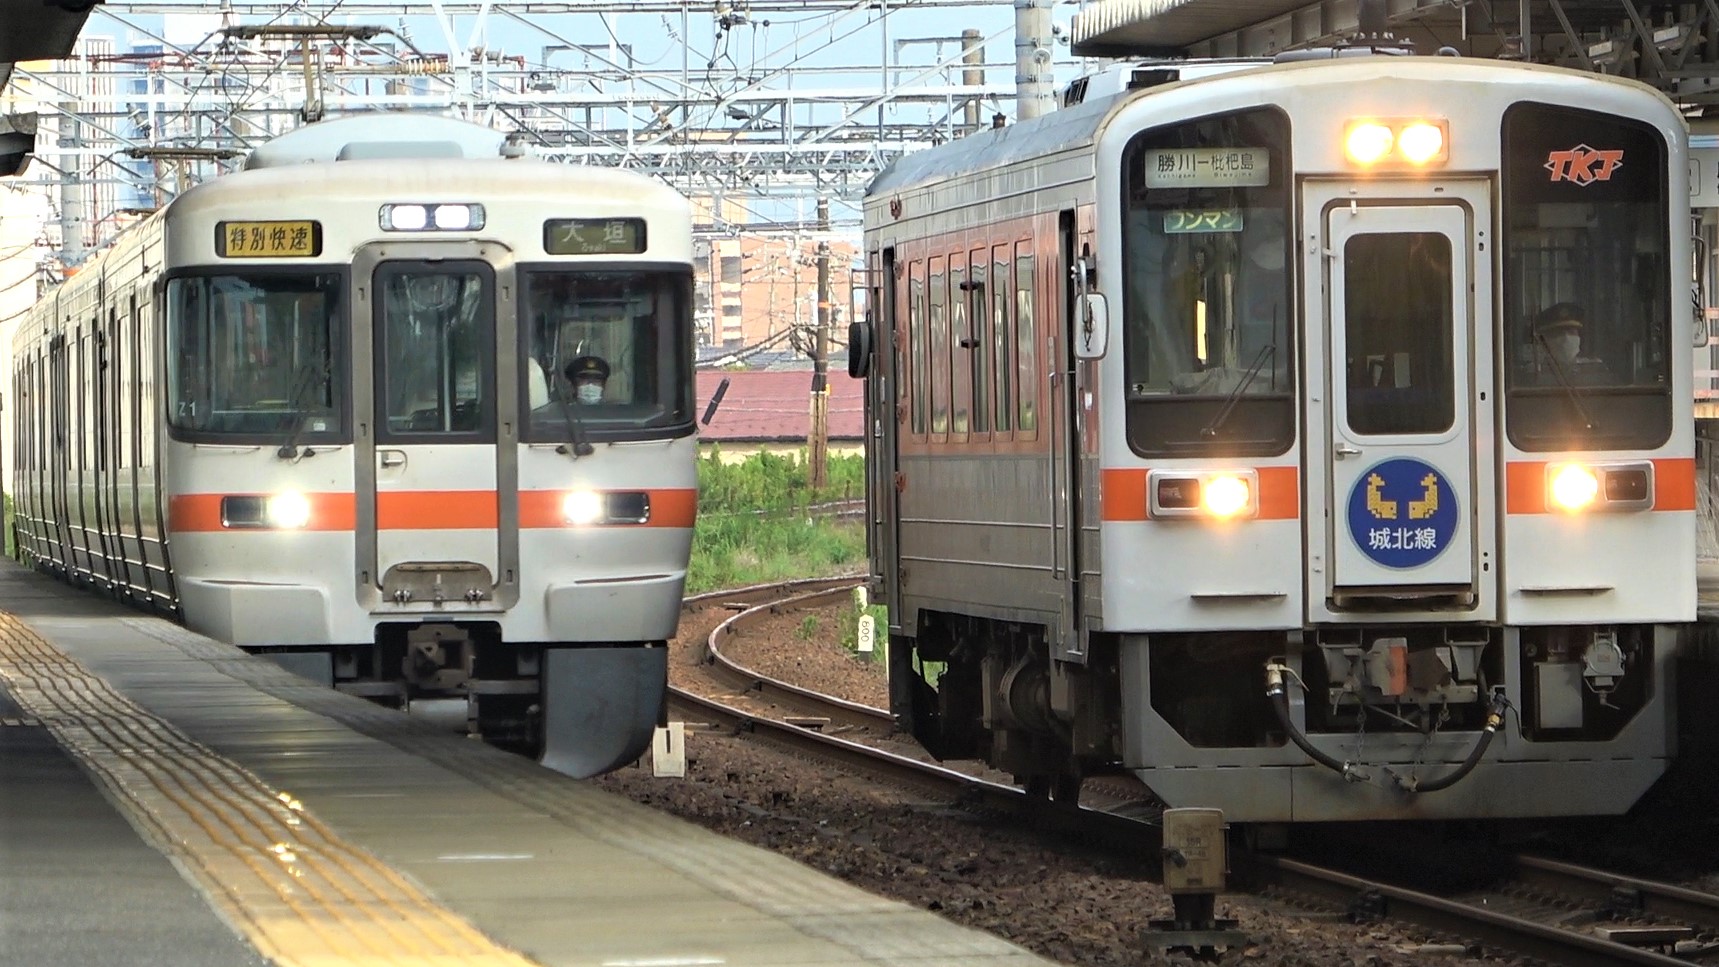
<point x="1561" y="912"/>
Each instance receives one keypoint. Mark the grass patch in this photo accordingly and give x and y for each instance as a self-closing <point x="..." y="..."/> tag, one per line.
<point x="757" y="522"/>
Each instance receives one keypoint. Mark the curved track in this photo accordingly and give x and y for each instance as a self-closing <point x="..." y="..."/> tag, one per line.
<point x="1547" y="909"/>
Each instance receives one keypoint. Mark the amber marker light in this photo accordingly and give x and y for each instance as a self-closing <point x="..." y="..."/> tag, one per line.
<point x="1574" y="487"/>
<point x="1225" y="496"/>
<point x="1367" y="142"/>
<point x="1421" y="142"/>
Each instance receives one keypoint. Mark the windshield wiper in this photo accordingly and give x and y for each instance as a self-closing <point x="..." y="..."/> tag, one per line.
<point x="1564" y="381"/>
<point x="1265" y="352"/>
<point x="300" y="403"/>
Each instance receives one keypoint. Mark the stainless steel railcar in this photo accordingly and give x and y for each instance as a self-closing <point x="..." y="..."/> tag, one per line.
<point x="321" y="408"/>
<point x="1313" y="440"/>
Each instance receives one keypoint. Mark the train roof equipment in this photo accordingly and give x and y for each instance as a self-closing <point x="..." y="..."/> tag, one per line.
<point x="390" y="134"/>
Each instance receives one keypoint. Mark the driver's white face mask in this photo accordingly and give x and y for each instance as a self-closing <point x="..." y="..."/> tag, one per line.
<point x="590" y="393"/>
<point x="1564" y="345"/>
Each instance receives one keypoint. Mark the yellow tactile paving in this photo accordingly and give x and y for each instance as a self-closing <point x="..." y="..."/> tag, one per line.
<point x="297" y="892"/>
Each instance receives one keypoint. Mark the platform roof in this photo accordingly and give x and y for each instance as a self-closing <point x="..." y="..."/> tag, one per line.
<point x="33" y="30"/>
<point x="1249" y="28"/>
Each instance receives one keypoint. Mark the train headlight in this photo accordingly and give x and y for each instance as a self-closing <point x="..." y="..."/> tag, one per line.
<point x="287" y="511"/>
<point x="449" y="217"/>
<point x="1573" y="487"/>
<point x="1220" y="494"/>
<point x="1421" y="142"/>
<point x="582" y="507"/>
<point x="1397" y="143"/>
<point x="1368" y="142"/>
<point x="405" y="218"/>
<point x="1226" y="496"/>
<point x="456" y="218"/>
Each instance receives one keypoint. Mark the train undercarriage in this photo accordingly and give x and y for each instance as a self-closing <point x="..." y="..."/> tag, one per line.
<point x="1418" y="705"/>
<point x="581" y="709"/>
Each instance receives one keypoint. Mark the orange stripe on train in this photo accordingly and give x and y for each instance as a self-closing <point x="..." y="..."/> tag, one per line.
<point x="433" y="510"/>
<point x="1122" y="492"/>
<point x="1525" y="485"/>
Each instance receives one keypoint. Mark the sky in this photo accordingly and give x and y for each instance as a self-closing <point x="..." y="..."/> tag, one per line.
<point x="840" y="49"/>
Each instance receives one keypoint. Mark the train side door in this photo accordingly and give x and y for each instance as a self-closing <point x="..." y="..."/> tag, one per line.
<point x="434" y="501"/>
<point x="1405" y="321"/>
<point x="886" y="413"/>
<point x="1065" y="441"/>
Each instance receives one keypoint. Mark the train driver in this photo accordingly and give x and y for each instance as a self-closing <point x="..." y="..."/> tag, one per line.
<point x="1557" y="348"/>
<point x="588" y="374"/>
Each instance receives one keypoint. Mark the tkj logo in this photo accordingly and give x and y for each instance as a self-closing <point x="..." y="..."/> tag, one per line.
<point x="1583" y="165"/>
<point x="1402" y="513"/>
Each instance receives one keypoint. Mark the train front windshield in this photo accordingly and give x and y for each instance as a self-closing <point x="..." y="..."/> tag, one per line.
<point x="248" y="353"/>
<point x="1587" y="309"/>
<point x="1208" y="344"/>
<point x="622" y="336"/>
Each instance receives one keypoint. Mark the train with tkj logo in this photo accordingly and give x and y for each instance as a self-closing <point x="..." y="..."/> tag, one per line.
<point x="1312" y="439"/>
<point x="397" y="405"/>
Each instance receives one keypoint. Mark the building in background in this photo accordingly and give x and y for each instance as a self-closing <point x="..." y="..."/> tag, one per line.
<point x="770" y="412"/>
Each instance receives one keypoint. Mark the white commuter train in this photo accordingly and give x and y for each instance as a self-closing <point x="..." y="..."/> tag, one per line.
<point x="1312" y="440"/>
<point x="321" y="408"/>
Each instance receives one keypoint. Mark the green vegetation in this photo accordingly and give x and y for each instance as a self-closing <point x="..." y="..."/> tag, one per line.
<point x="758" y="521"/>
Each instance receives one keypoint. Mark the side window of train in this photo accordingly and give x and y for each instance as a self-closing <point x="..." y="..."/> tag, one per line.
<point x="960" y="359"/>
<point x="1002" y="294"/>
<point x="938" y="374"/>
<point x="917" y="340"/>
<point x="1586" y="301"/>
<point x="1026" y="342"/>
<point x="977" y="345"/>
<point x="1207" y="318"/>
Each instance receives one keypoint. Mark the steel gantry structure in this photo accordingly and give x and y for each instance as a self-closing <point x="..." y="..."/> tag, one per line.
<point x="760" y="106"/>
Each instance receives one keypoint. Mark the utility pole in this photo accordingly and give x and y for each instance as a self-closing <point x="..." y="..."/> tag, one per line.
<point x="1033" y="93"/>
<point x="819" y="444"/>
<point x="72" y="216"/>
<point x="972" y="74"/>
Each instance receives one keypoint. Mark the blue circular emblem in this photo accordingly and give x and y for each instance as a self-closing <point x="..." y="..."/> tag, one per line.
<point x="1402" y="513"/>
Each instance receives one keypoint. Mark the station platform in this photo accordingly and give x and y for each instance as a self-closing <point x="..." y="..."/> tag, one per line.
<point x="166" y="799"/>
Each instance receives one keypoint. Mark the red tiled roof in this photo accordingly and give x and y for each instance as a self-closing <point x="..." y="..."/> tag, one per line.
<point x="774" y="406"/>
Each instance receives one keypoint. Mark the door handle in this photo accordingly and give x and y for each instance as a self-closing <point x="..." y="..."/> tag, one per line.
<point x="1345" y="450"/>
<point x="391" y="458"/>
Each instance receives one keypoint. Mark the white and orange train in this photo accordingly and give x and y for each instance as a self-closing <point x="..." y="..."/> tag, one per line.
<point x="1312" y="440"/>
<point x="322" y="408"/>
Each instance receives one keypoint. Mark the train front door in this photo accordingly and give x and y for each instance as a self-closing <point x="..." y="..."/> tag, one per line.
<point x="1400" y="325"/>
<point x="434" y="498"/>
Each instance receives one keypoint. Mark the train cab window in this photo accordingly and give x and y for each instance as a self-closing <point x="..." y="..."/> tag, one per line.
<point x="610" y="349"/>
<point x="1397" y="333"/>
<point x="1587" y="296"/>
<point x="252" y="357"/>
<point x="1207" y="313"/>
<point x="434" y="350"/>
